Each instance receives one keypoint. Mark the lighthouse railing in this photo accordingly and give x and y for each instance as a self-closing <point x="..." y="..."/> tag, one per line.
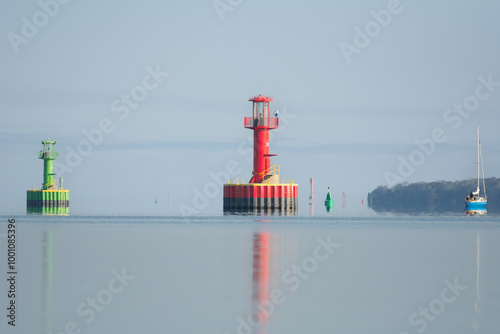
<point x="273" y="122"/>
<point x="273" y="170"/>
<point x="48" y="155"/>
<point x="249" y="122"/>
<point x="253" y="122"/>
<point x="52" y="185"/>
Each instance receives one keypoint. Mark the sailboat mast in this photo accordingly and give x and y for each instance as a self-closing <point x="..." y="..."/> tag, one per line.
<point x="478" y="159"/>
<point x="482" y="169"/>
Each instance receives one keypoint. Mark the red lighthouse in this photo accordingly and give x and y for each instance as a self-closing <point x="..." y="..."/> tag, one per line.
<point x="261" y="122"/>
<point x="264" y="192"/>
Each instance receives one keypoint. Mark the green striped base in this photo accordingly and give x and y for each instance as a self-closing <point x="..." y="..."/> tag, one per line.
<point x="50" y="202"/>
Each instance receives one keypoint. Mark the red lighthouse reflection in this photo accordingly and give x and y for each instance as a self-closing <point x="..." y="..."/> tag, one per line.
<point x="260" y="291"/>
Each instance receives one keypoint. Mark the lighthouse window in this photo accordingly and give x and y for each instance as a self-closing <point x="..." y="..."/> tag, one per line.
<point x="266" y="113"/>
<point x="261" y="118"/>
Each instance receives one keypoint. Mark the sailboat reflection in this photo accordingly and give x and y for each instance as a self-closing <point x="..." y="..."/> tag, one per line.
<point x="477" y="309"/>
<point x="477" y="212"/>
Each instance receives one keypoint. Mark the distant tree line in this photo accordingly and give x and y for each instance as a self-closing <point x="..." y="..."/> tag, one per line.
<point x="432" y="197"/>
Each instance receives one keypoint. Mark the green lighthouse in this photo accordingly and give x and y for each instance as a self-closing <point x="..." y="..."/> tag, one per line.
<point x="52" y="198"/>
<point x="48" y="154"/>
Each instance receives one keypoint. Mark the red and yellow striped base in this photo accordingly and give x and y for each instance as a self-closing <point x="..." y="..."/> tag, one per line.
<point x="261" y="198"/>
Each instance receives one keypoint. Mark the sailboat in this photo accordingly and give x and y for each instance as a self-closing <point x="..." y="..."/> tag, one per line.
<point x="476" y="201"/>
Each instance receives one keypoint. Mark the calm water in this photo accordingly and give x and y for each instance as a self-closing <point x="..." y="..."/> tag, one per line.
<point x="381" y="274"/>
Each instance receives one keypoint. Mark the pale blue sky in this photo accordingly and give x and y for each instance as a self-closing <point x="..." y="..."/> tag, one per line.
<point x="348" y="122"/>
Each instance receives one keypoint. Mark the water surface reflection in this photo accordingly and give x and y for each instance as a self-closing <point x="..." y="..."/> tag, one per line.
<point x="383" y="272"/>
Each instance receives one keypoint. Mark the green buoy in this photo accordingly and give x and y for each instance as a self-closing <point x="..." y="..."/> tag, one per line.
<point x="328" y="201"/>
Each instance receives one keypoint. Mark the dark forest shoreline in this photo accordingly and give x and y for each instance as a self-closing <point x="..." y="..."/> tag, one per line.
<point x="432" y="197"/>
